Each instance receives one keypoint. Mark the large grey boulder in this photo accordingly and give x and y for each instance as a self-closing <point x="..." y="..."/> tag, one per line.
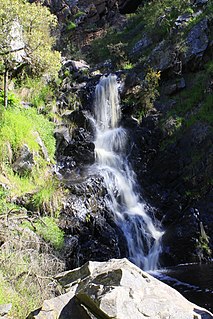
<point x="117" y="289"/>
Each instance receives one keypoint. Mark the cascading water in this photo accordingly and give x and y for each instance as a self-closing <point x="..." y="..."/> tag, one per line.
<point x="143" y="238"/>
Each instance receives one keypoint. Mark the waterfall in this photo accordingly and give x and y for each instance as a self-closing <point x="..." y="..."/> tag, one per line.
<point x="129" y="211"/>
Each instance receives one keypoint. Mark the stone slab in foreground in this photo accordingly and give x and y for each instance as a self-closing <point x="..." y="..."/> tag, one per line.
<point x="116" y="289"/>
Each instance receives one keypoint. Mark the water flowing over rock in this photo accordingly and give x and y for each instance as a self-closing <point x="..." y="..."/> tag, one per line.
<point x="130" y="214"/>
<point x="116" y="289"/>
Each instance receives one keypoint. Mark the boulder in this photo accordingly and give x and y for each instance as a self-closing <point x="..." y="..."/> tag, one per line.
<point x="4" y="309"/>
<point x="116" y="289"/>
<point x="163" y="56"/>
<point x="62" y="136"/>
<point x="197" y="41"/>
<point x="24" y="163"/>
<point x="79" y="65"/>
<point x="183" y="20"/>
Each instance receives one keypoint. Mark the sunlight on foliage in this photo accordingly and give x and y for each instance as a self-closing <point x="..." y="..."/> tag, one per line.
<point x="33" y="24"/>
<point x="18" y="126"/>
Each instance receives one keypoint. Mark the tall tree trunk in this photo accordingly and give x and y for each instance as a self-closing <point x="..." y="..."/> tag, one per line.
<point x="5" y="85"/>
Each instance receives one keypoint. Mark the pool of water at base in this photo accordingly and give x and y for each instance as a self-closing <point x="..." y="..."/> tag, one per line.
<point x="193" y="281"/>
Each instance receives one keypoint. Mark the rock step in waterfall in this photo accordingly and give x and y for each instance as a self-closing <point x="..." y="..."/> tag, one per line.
<point x="143" y="238"/>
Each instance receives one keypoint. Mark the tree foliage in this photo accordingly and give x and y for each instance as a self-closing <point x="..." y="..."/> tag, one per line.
<point x="25" y="37"/>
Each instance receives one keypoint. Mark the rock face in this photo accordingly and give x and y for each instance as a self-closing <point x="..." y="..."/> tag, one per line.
<point x="170" y="178"/>
<point x="24" y="163"/>
<point x="116" y="289"/>
<point x="91" y="233"/>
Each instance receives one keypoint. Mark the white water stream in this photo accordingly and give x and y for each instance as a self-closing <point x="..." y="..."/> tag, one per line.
<point x="143" y="238"/>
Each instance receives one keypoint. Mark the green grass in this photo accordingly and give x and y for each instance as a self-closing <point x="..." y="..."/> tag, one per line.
<point x="26" y="271"/>
<point x="39" y="93"/>
<point x="195" y="102"/>
<point x="18" y="127"/>
<point x="21" y="126"/>
<point x="47" y="228"/>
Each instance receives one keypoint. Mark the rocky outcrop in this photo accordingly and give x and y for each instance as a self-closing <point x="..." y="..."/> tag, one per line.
<point x="24" y="162"/>
<point x="94" y="10"/>
<point x="175" y="180"/>
<point x="91" y="233"/>
<point x="116" y="289"/>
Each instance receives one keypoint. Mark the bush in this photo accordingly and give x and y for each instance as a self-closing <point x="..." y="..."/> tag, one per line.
<point x="12" y="99"/>
<point x="39" y="93"/>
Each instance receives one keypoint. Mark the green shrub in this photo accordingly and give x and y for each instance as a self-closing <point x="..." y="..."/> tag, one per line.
<point x="39" y="93"/>
<point x="12" y="99"/>
<point x="143" y="95"/>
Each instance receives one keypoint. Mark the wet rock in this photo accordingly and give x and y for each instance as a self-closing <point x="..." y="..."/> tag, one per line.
<point x="116" y="289"/>
<point x="91" y="233"/>
<point x="24" y="163"/>
<point x="75" y="147"/>
<point x="80" y="119"/>
<point x="82" y="152"/>
<point x="179" y="235"/>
